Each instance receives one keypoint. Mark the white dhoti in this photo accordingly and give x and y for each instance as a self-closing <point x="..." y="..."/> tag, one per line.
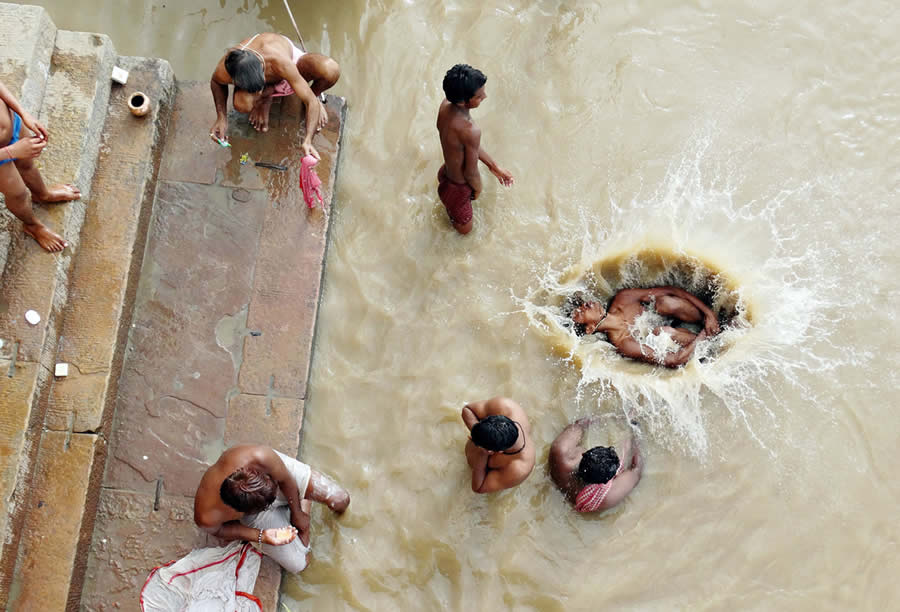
<point x="291" y="556"/>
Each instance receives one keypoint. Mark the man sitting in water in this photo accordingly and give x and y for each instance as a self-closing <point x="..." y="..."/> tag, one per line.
<point x="267" y="66"/>
<point x="628" y="304"/>
<point x="257" y="494"/>
<point x="19" y="175"/>
<point x="499" y="451"/>
<point x="594" y="479"/>
<point x="459" y="181"/>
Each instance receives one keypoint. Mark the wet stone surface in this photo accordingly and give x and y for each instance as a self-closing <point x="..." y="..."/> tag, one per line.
<point x="219" y="349"/>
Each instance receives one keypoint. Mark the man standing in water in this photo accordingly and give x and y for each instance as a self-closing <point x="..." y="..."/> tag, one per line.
<point x="257" y="494"/>
<point x="628" y="304"/>
<point x="459" y="181"/>
<point x="267" y="66"/>
<point x="20" y="181"/>
<point x="594" y="479"/>
<point x="499" y="451"/>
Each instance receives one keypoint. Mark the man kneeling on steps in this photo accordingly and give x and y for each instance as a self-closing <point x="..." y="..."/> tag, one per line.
<point x="257" y="494"/>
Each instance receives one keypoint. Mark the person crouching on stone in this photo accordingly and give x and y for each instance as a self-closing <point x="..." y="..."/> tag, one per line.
<point x="20" y="180"/>
<point x="499" y="451"/>
<point x="267" y="66"/>
<point x="594" y="479"/>
<point x="256" y="494"/>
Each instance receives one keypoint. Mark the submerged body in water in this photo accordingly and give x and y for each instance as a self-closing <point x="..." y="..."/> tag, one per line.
<point x="628" y="304"/>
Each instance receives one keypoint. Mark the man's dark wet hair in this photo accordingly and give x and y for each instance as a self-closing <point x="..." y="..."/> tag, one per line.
<point x="248" y="490"/>
<point x="245" y="70"/>
<point x="495" y="433"/>
<point x="462" y="81"/>
<point x="598" y="465"/>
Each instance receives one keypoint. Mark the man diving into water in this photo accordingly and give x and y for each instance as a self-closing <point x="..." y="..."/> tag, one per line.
<point x="500" y="450"/>
<point x="267" y="66"/>
<point x="628" y="304"/>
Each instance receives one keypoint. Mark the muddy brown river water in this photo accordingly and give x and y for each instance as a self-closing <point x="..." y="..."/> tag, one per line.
<point x="757" y="141"/>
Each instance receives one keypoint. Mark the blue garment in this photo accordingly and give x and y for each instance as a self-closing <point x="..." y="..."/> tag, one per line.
<point x="17" y="127"/>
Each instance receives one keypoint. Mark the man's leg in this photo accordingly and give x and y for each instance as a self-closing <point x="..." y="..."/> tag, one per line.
<point x="324" y="490"/>
<point x="322" y="72"/>
<point x="678" y="308"/>
<point x="19" y="203"/>
<point x="39" y="190"/>
<point x="291" y="556"/>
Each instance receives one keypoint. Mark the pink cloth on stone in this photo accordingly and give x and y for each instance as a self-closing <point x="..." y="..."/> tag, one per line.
<point x="282" y="88"/>
<point x="591" y="496"/>
<point x="310" y="182"/>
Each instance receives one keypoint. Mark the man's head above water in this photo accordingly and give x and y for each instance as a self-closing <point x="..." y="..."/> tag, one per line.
<point x="248" y="490"/>
<point x="598" y="465"/>
<point x="495" y="433"/>
<point x="462" y="84"/>
<point x="246" y="70"/>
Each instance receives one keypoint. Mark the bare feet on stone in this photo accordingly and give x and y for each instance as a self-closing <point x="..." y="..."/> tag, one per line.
<point x="49" y="241"/>
<point x="58" y="193"/>
<point x="323" y="116"/>
<point x="259" y="116"/>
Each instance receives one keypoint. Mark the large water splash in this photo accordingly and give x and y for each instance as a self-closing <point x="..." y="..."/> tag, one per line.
<point x="766" y="271"/>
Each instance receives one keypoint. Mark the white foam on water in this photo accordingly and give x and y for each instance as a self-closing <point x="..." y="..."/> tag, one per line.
<point x="760" y="263"/>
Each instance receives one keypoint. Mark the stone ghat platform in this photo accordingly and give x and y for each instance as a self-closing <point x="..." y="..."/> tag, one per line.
<point x="185" y="307"/>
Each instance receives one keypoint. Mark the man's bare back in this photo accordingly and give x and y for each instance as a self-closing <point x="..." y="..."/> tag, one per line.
<point x="628" y="304"/>
<point x="494" y="470"/>
<point x="214" y="515"/>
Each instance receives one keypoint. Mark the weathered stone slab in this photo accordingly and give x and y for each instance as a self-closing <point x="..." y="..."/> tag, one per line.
<point x="26" y="43"/>
<point x="274" y="422"/>
<point x="16" y="398"/>
<point x="111" y="248"/>
<point x="195" y="284"/>
<point x="73" y="111"/>
<point x="130" y="539"/>
<point x="288" y="278"/>
<point x="230" y="275"/>
<point x="47" y="556"/>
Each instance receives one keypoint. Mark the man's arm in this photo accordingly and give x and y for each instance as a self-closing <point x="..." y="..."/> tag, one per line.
<point x="274" y="466"/>
<point x="305" y="93"/>
<point x="621" y="486"/>
<point x="27" y="119"/>
<point x="469" y="417"/>
<point x="471" y="139"/>
<point x="683" y="355"/>
<point x="477" y="459"/>
<point x="504" y="176"/>
<point x="629" y="347"/>
<point x="220" y="98"/>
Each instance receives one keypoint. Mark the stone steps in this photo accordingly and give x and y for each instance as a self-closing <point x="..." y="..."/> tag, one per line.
<point x="53" y="431"/>
<point x="93" y="331"/>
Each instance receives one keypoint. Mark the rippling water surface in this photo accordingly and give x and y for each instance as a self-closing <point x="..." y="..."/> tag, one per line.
<point x="747" y="150"/>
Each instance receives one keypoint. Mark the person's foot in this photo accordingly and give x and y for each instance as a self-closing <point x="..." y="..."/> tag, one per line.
<point x="259" y="116"/>
<point x="323" y="116"/>
<point x="49" y="241"/>
<point x="58" y="193"/>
